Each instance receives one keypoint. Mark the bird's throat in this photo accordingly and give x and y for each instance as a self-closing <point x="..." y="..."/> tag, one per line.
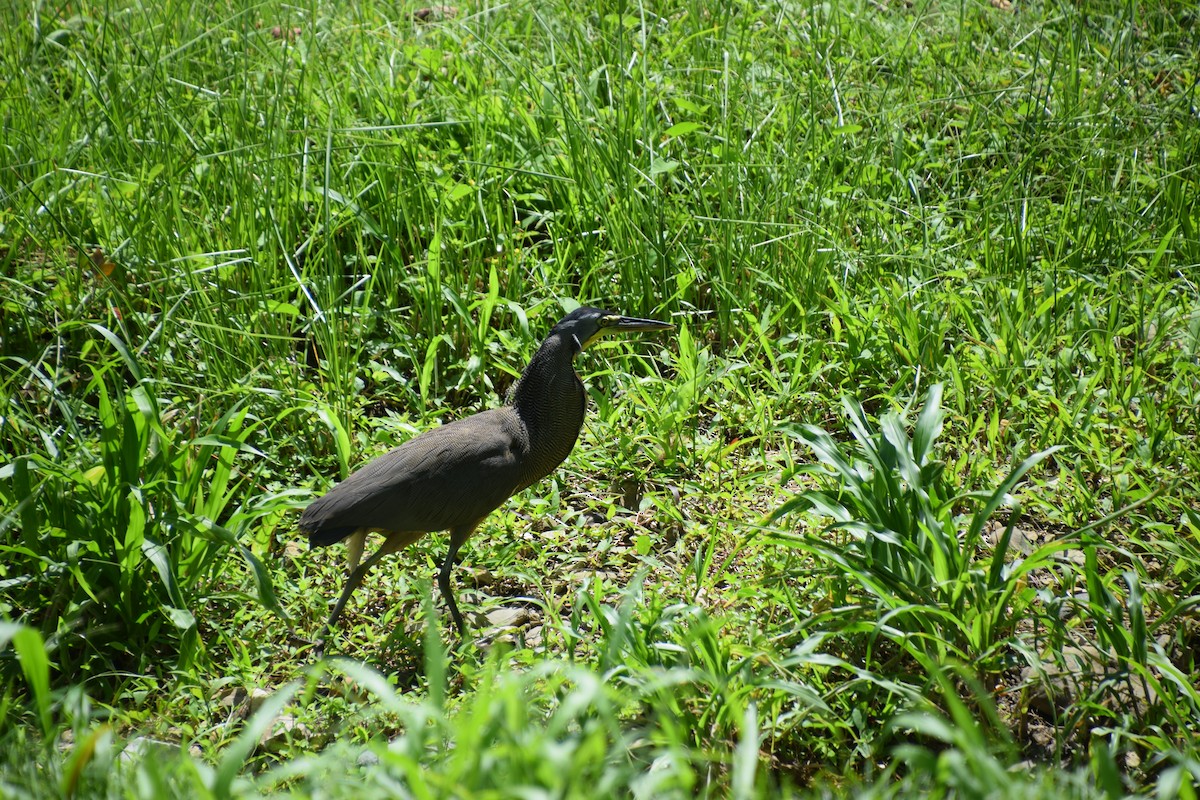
<point x="550" y="401"/>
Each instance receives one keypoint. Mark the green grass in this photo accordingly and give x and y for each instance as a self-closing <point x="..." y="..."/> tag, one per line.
<point x="923" y="442"/>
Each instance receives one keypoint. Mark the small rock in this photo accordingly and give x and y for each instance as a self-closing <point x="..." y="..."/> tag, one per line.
<point x="281" y="730"/>
<point x="1020" y="542"/>
<point x="1071" y="605"/>
<point x="234" y="702"/>
<point x="143" y="746"/>
<point x="505" y="617"/>
<point x="258" y="696"/>
<point x="367" y="758"/>
<point x="1061" y="684"/>
<point x="1041" y="735"/>
<point x="479" y="577"/>
<point x="1076" y="557"/>
<point x="587" y="575"/>
<point x="533" y="637"/>
<point x="1076" y="675"/>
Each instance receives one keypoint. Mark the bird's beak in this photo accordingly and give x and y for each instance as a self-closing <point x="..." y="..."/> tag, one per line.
<point x="619" y="324"/>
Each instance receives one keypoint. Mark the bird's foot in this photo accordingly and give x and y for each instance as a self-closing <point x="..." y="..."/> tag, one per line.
<point x="316" y="646"/>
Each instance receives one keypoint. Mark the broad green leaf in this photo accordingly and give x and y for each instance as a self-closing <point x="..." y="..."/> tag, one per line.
<point x="682" y="129"/>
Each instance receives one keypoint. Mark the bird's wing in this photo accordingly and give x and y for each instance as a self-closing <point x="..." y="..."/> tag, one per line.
<point x="446" y="477"/>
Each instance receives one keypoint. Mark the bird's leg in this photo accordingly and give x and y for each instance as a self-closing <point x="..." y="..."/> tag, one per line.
<point x="391" y="544"/>
<point x="448" y="591"/>
<point x="355" y="543"/>
<point x="352" y="583"/>
<point x="457" y="537"/>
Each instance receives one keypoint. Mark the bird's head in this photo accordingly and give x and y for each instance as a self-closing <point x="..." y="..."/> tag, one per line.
<point x="586" y="324"/>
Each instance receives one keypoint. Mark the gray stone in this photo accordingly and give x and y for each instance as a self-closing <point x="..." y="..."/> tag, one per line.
<point x="533" y="637"/>
<point x="1078" y="674"/>
<point x="258" y="696"/>
<point x="282" y="729"/>
<point x="143" y="746"/>
<point x="507" y="617"/>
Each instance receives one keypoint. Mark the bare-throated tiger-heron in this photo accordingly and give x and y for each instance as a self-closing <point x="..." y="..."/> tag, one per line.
<point x="451" y="477"/>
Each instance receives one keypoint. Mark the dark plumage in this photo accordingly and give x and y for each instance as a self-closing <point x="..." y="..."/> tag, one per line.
<point x="451" y="477"/>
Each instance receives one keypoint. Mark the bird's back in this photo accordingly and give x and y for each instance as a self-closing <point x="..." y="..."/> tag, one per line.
<point x="446" y="477"/>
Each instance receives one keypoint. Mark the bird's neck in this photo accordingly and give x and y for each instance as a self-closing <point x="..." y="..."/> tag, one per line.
<point x="550" y="401"/>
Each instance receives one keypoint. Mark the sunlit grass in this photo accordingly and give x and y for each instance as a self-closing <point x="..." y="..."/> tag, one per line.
<point x="245" y="248"/>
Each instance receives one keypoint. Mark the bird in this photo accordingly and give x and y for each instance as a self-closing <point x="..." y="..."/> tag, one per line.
<point x="453" y="476"/>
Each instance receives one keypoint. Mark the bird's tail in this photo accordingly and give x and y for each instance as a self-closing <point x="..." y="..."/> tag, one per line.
<point x="327" y="536"/>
